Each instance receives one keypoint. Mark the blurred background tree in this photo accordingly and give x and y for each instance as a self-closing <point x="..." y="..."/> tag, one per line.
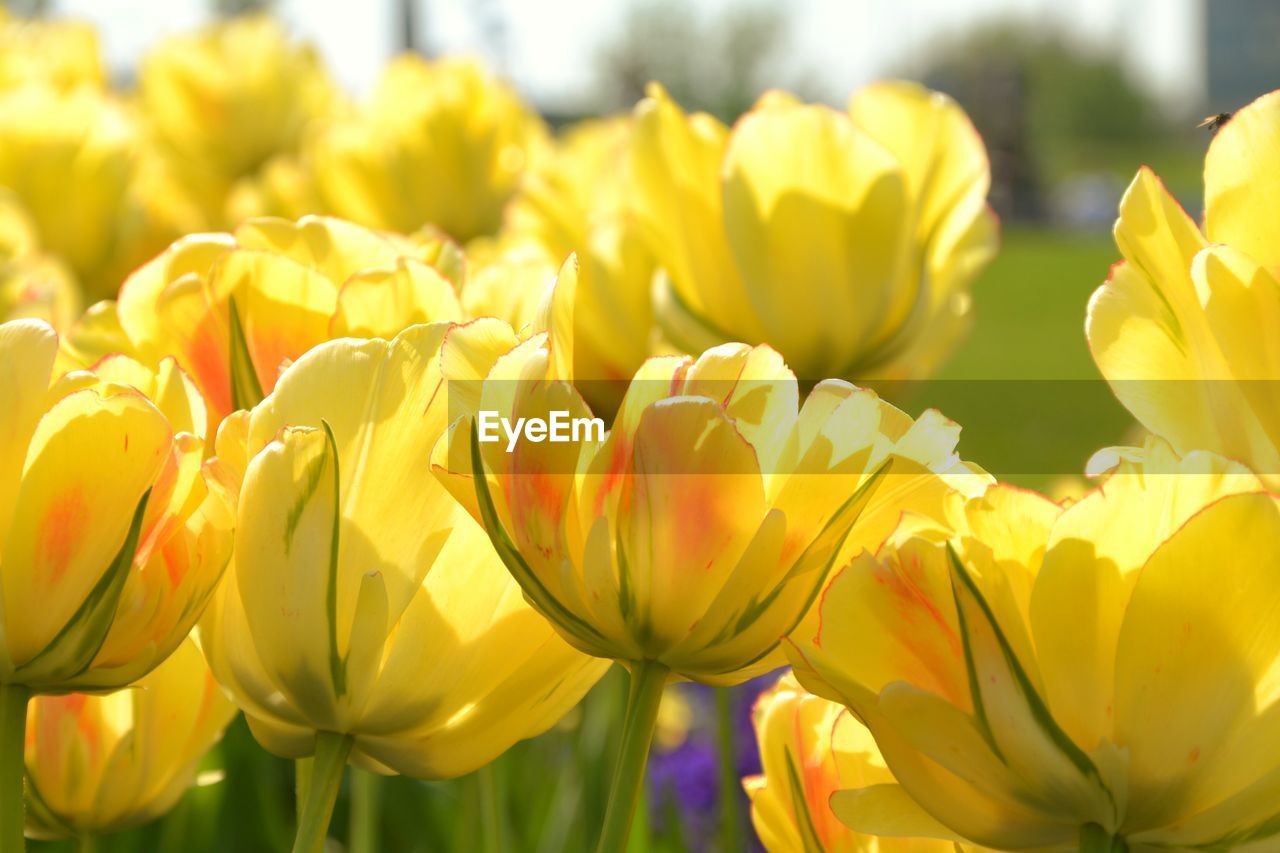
<point x="231" y="8"/>
<point x="1064" y="122"/>
<point x="718" y="63"/>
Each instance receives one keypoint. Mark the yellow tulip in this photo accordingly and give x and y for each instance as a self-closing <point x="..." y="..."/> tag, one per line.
<point x="52" y="140"/>
<point x="32" y="284"/>
<point x="845" y="240"/>
<point x="809" y="749"/>
<point x="115" y="537"/>
<point x="64" y="54"/>
<point x="441" y="143"/>
<point x="97" y="764"/>
<point x="38" y="287"/>
<point x="284" y="187"/>
<point x="1182" y="329"/>
<point x="226" y="99"/>
<point x="293" y="286"/>
<point x="113" y="529"/>
<point x="365" y="613"/>
<point x="1098" y="677"/>
<point x="695" y="535"/>
<point x="574" y="201"/>
<point x="699" y="530"/>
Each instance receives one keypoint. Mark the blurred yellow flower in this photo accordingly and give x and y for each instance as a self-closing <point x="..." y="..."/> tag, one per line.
<point x="675" y="718"/>
<point x="1183" y="328"/>
<point x="63" y="54"/>
<point x="33" y="284"/>
<point x="698" y="532"/>
<point x="574" y="201"/>
<point x="70" y="158"/>
<point x="441" y="143"/>
<point x="363" y="604"/>
<point x="811" y="748"/>
<point x="1094" y="678"/>
<point x="293" y="285"/>
<point x="98" y="764"/>
<point x="845" y="240"/>
<point x="116" y="532"/>
<point x="225" y="100"/>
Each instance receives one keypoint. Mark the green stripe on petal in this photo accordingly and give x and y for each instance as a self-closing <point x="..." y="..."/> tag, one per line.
<point x="76" y="645"/>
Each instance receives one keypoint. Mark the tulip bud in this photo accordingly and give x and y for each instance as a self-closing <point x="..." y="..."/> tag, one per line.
<point x="102" y="763"/>
<point x="811" y="748"/>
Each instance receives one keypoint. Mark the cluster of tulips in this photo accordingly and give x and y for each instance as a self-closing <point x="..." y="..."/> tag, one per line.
<point x="249" y="478"/>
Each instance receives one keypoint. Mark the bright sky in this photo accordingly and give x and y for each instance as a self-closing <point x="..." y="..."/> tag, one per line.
<point x="551" y="46"/>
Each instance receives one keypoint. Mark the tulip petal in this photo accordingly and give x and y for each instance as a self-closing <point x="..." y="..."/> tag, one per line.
<point x="284" y="307"/>
<point x="810" y="199"/>
<point x="27" y="352"/>
<point x="887" y="810"/>
<point x="1242" y="186"/>
<point x="90" y="461"/>
<point x="287" y="520"/>
<point x="334" y="248"/>
<point x="1198" y="688"/>
<point x="1014" y="719"/>
<point x="690" y="511"/>
<point x="75" y="646"/>
<point x="576" y="630"/>
<point x="379" y="303"/>
<point x="675" y="162"/>
<point x="1094" y="556"/>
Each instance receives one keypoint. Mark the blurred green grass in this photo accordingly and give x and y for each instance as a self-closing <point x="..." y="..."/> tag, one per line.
<point x="1023" y="385"/>
<point x="1029" y="398"/>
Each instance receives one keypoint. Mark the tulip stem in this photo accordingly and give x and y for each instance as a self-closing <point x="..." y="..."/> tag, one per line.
<point x="301" y="783"/>
<point x="366" y="809"/>
<point x="13" y="738"/>
<point x="730" y="784"/>
<point x="648" y="678"/>
<point x="332" y="750"/>
<point x="492" y="830"/>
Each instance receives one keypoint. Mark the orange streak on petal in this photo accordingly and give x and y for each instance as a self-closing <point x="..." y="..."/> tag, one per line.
<point x="60" y="529"/>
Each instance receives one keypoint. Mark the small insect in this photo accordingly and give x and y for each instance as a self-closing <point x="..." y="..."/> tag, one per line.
<point x="1215" y="121"/>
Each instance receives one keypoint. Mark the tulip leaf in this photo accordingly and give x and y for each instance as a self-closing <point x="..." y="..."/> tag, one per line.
<point x="824" y="549"/>
<point x="246" y="390"/>
<point x="337" y="663"/>
<point x="73" y="649"/>
<point x="1268" y="828"/>
<point x="808" y="832"/>
<point x="964" y="589"/>
<point x="38" y="811"/>
<point x="537" y="593"/>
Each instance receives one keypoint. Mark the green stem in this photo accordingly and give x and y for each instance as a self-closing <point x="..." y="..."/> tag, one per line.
<point x="492" y="830"/>
<point x="730" y="784"/>
<point x="647" y="680"/>
<point x="332" y="750"/>
<point x="366" y="797"/>
<point x="1095" y="839"/>
<point x="13" y="739"/>
<point x="86" y="842"/>
<point x="301" y="784"/>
